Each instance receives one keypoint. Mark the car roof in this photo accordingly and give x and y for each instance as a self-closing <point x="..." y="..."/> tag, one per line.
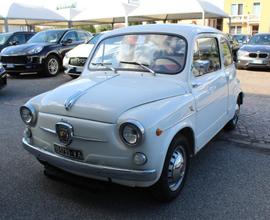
<point x="186" y="30"/>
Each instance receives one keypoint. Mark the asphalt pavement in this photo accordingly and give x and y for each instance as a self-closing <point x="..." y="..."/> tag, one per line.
<point x="226" y="180"/>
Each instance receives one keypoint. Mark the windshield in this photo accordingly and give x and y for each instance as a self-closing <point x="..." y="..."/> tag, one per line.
<point x="240" y="38"/>
<point x="262" y="39"/>
<point x="159" y="52"/>
<point x="51" y="36"/>
<point x="94" y="39"/>
<point x="4" y="38"/>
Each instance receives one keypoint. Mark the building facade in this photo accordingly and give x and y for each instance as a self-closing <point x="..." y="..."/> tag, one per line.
<point x="247" y="16"/>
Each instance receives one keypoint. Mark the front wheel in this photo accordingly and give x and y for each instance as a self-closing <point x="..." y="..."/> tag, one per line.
<point x="52" y="65"/>
<point x="174" y="171"/>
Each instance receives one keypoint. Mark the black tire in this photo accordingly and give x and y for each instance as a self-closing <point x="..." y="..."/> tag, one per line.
<point x="166" y="189"/>
<point x="52" y="65"/>
<point x="232" y="124"/>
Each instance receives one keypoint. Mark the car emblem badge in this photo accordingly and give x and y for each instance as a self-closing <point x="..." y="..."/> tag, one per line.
<point x="64" y="132"/>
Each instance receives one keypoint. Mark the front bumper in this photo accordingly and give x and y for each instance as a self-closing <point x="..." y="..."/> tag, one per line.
<point x="248" y="62"/>
<point x="89" y="170"/>
<point x="22" y="64"/>
<point x="73" y="70"/>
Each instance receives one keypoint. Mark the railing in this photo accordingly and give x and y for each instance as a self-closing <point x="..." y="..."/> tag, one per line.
<point x="251" y="18"/>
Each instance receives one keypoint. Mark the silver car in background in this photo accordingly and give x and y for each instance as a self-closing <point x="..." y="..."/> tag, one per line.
<point x="75" y="59"/>
<point x="256" y="53"/>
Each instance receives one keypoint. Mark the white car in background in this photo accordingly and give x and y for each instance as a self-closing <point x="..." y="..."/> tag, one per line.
<point x="75" y="59"/>
<point x="149" y="98"/>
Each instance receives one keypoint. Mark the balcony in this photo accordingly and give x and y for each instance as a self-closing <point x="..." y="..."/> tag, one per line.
<point x="251" y="18"/>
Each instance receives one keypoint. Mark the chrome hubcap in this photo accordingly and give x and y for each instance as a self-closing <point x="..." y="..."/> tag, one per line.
<point x="53" y="66"/>
<point x="177" y="168"/>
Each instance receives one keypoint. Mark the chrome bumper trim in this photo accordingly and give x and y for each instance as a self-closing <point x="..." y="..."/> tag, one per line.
<point x="90" y="170"/>
<point x="51" y="131"/>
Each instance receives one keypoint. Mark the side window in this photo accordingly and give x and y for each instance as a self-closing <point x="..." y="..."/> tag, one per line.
<point x="18" y="38"/>
<point x="71" y="35"/>
<point x="83" y="36"/>
<point x="206" y="57"/>
<point x="226" y="52"/>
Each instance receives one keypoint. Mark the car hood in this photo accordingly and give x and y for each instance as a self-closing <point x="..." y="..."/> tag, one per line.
<point x="82" y="50"/>
<point x="256" y="48"/>
<point x="104" y="98"/>
<point x="21" y="49"/>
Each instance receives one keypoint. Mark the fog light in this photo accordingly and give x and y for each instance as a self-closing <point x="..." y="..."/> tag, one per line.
<point x="139" y="159"/>
<point x="27" y="133"/>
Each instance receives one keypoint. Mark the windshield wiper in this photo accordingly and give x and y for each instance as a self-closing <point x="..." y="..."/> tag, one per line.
<point x="144" y="66"/>
<point x="105" y="65"/>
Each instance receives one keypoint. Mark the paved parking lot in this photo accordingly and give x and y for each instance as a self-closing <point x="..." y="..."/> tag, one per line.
<point x="227" y="179"/>
<point x="254" y="123"/>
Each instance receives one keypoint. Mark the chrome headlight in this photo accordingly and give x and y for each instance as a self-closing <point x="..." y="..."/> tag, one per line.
<point x="28" y="115"/>
<point x="35" y="50"/>
<point x="131" y="133"/>
<point x="242" y="53"/>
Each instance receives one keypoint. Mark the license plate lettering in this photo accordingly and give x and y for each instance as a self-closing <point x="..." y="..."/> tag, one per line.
<point x="67" y="152"/>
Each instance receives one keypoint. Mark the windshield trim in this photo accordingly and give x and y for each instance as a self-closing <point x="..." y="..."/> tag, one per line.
<point x="139" y="33"/>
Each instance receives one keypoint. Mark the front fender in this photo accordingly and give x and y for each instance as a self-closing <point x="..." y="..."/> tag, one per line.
<point x="169" y="115"/>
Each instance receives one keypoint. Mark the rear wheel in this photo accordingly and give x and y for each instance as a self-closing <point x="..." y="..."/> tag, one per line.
<point x="52" y="65"/>
<point x="174" y="171"/>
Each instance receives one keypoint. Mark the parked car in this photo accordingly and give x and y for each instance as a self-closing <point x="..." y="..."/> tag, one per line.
<point x="75" y="59"/>
<point x="242" y="39"/>
<point x="3" y="77"/>
<point x="14" y="38"/>
<point x="256" y="53"/>
<point x="43" y="53"/>
<point x="137" y="116"/>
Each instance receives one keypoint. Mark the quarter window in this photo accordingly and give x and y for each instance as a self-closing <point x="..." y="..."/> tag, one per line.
<point x="226" y="52"/>
<point x="206" y="58"/>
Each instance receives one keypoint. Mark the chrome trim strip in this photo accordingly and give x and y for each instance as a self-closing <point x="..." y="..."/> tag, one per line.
<point x="48" y="130"/>
<point x="90" y="170"/>
<point x="74" y="136"/>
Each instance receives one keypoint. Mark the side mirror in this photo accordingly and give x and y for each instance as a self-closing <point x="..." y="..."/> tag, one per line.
<point x="67" y="42"/>
<point x="201" y="67"/>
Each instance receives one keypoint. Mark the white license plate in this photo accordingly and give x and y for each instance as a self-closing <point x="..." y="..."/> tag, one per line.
<point x="257" y="61"/>
<point x="10" y="65"/>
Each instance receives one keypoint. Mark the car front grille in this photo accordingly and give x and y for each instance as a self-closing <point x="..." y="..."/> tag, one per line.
<point x="77" y="61"/>
<point x="14" y="60"/>
<point x="263" y="55"/>
<point x="258" y="55"/>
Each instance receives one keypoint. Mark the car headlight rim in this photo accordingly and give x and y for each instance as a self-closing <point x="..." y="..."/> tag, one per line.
<point x="35" y="50"/>
<point x="135" y="126"/>
<point x="32" y="115"/>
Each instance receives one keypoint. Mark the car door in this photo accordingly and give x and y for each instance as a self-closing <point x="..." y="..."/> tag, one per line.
<point x="209" y="88"/>
<point x="230" y="73"/>
<point x="69" y="41"/>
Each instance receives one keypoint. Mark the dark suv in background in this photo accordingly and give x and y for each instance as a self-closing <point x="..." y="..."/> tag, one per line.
<point x="14" y="38"/>
<point x="43" y="53"/>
